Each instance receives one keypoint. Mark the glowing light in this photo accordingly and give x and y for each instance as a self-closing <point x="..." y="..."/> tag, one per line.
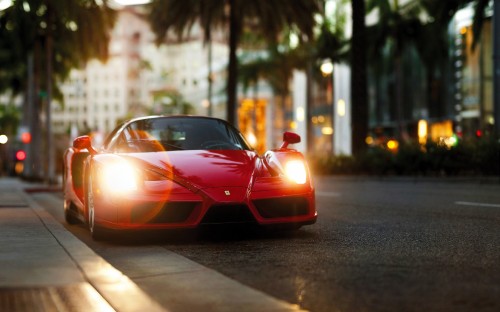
<point x="326" y="68"/>
<point x="21" y="155"/>
<point x="252" y="139"/>
<point x="119" y="177"/>
<point x="369" y="140"/>
<point x="4" y="4"/>
<point x="300" y="114"/>
<point x="295" y="170"/>
<point x="451" y="141"/>
<point x="327" y="130"/>
<point x="293" y="125"/>
<point x="341" y="108"/>
<point x="422" y="131"/>
<point x="392" y="145"/>
<point x="463" y="30"/>
<point x="26" y="7"/>
<point x="19" y="168"/>
<point x="294" y="40"/>
<point x="3" y="139"/>
<point x="25" y="137"/>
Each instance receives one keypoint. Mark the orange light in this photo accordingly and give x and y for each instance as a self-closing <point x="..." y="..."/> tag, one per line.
<point x="26" y="137"/>
<point x="422" y="131"/>
<point x="19" y="168"/>
<point x="392" y="145"/>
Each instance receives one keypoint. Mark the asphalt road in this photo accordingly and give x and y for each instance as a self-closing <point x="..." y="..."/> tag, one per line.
<point x="378" y="245"/>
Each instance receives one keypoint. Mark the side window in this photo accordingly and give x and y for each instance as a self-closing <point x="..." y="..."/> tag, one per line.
<point x="110" y="139"/>
<point x="121" y="145"/>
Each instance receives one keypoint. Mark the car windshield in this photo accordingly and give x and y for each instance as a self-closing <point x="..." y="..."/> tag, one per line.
<point x="180" y="133"/>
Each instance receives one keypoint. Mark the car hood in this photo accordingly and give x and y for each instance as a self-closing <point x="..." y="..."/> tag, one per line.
<point x="205" y="169"/>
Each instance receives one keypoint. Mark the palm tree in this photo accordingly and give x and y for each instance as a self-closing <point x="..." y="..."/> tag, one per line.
<point x="433" y="41"/>
<point x="400" y="27"/>
<point x="59" y="35"/>
<point x="277" y="69"/>
<point x="269" y="17"/>
<point x="397" y="28"/>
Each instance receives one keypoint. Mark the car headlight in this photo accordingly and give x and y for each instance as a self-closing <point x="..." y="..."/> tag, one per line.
<point x="119" y="177"/>
<point x="295" y="170"/>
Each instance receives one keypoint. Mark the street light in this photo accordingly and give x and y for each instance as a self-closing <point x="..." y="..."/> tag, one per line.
<point x="4" y="4"/>
<point x="326" y="67"/>
<point x="3" y="139"/>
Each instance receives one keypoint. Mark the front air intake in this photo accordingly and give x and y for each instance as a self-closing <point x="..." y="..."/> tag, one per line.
<point x="282" y="207"/>
<point x="171" y="212"/>
<point x="228" y="214"/>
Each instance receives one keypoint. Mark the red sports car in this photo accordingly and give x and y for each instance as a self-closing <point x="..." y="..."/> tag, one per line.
<point x="181" y="172"/>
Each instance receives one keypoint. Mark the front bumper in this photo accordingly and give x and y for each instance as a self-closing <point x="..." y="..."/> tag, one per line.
<point x="271" y="202"/>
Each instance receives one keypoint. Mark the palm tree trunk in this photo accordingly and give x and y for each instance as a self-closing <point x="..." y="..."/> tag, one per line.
<point x="49" y="141"/>
<point x="309" y="104"/>
<point x="234" y="31"/>
<point x="35" y="127"/>
<point x="496" y="64"/>
<point x="359" y="99"/>
<point x="210" y="79"/>
<point x="401" y="134"/>
<point x="28" y="116"/>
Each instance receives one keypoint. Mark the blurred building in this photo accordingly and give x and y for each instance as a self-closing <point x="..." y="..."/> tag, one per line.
<point x="455" y="102"/>
<point x="101" y="95"/>
<point x="142" y="78"/>
<point x="473" y="75"/>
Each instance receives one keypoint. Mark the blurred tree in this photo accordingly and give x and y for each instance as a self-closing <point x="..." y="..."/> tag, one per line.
<point x="276" y="67"/>
<point x="441" y="13"/>
<point x="170" y="102"/>
<point x="9" y="119"/>
<point x="398" y="29"/>
<point x="79" y="30"/>
<point x="424" y="25"/>
<point x="58" y="35"/>
<point x="269" y="17"/>
<point x="433" y="43"/>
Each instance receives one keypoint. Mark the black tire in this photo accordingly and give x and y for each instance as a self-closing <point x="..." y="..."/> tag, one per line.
<point x="70" y="213"/>
<point x="97" y="232"/>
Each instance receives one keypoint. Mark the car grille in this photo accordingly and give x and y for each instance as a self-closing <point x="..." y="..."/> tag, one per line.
<point x="228" y="214"/>
<point x="282" y="207"/>
<point x="171" y="212"/>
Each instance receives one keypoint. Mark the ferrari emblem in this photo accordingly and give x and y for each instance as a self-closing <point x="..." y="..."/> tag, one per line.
<point x="227" y="193"/>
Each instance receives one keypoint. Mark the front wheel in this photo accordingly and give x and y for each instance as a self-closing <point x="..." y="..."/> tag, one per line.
<point x="70" y="212"/>
<point x="97" y="232"/>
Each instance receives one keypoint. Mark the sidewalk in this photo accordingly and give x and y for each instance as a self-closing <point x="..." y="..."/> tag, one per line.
<point x="43" y="267"/>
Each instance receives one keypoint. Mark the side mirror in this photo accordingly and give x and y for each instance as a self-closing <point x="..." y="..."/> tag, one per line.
<point x="84" y="142"/>
<point x="290" y="138"/>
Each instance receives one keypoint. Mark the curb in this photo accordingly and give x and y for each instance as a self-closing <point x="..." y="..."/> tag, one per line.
<point x="117" y="289"/>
